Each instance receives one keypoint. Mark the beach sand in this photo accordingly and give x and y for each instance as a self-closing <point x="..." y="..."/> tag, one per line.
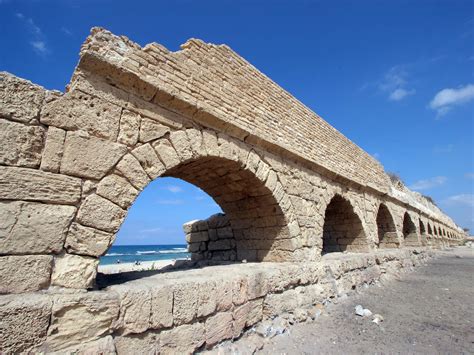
<point x="144" y="265"/>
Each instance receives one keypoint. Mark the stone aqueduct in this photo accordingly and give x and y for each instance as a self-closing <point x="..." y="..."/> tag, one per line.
<point x="292" y="187"/>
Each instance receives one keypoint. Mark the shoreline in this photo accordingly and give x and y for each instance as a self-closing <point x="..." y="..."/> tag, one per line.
<point x="144" y="266"/>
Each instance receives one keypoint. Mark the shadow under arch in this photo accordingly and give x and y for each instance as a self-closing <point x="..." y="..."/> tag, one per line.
<point x="410" y="234"/>
<point x="386" y="229"/>
<point x="423" y="236"/>
<point x="343" y="229"/>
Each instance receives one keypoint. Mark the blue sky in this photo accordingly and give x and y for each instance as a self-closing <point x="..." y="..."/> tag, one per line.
<point x="396" y="77"/>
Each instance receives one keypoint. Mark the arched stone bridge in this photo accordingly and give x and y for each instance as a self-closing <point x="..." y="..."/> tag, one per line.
<point x="292" y="187"/>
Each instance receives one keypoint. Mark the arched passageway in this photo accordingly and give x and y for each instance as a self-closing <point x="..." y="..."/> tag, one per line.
<point x="409" y="231"/>
<point x="423" y="237"/>
<point x="387" y="232"/>
<point x="258" y="226"/>
<point x="343" y="230"/>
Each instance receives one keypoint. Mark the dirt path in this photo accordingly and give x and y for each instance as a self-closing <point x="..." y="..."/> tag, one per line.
<point x="428" y="311"/>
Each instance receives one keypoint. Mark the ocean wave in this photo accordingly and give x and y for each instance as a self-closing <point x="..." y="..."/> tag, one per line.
<point x="147" y="252"/>
<point x="117" y="254"/>
<point x="174" y="251"/>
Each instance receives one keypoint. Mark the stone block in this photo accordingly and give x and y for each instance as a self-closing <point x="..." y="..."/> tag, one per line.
<point x="129" y="128"/>
<point x="20" y="100"/>
<point x="218" y="328"/>
<point x="74" y="271"/>
<point x="280" y="303"/>
<point x="196" y="237"/>
<point x="20" y="145"/>
<point x="99" y="213"/>
<point x="166" y="153"/>
<point x="184" y="339"/>
<point x="138" y="344"/>
<point x="102" y="346"/>
<point x="79" y="111"/>
<point x="207" y="295"/>
<point x="130" y="167"/>
<point x="150" y="162"/>
<point x="225" y="233"/>
<point x="181" y="144"/>
<point x="24" y="273"/>
<point x="53" y="150"/>
<point x="151" y="130"/>
<point x="221" y="244"/>
<point x="185" y="303"/>
<point x="247" y="315"/>
<point x="36" y="185"/>
<point x="29" y="227"/>
<point x="80" y="318"/>
<point x="135" y="309"/>
<point x="24" y="322"/>
<point x="87" y="241"/>
<point x="161" y="307"/>
<point x="118" y="190"/>
<point x="89" y="157"/>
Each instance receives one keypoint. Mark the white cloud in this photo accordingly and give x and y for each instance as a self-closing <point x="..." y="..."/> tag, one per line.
<point x="400" y="94"/>
<point x="173" y="188"/>
<point x="469" y="175"/>
<point x="462" y="199"/>
<point x="40" y="47"/>
<point x="428" y="183"/>
<point x="38" y="42"/>
<point x="152" y="230"/>
<point x="66" y="31"/>
<point x="170" y="202"/>
<point x="445" y="99"/>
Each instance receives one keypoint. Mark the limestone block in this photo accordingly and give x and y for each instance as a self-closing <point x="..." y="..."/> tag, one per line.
<point x="129" y="128"/>
<point x="196" y="142"/>
<point x="80" y="318"/>
<point x="207" y="295"/>
<point x="24" y="273"/>
<point x="151" y="130"/>
<point x="209" y="139"/>
<point x="87" y="241"/>
<point x="218" y="328"/>
<point x="221" y="244"/>
<point x="161" y="307"/>
<point x="74" y="271"/>
<point x="24" y="322"/>
<point x="247" y="315"/>
<point x="78" y="111"/>
<point x="103" y="346"/>
<point x="225" y="233"/>
<point x="135" y="309"/>
<point x="20" y="145"/>
<point x="133" y="171"/>
<point x="180" y="142"/>
<point x="183" y="339"/>
<point x="166" y="153"/>
<point x="89" y="157"/>
<point x="196" y="237"/>
<point x="53" y="150"/>
<point x="118" y="190"/>
<point x="29" y="227"/>
<point x="97" y="212"/>
<point x="150" y="162"/>
<point x="20" y="100"/>
<point x="276" y="304"/>
<point x="138" y="344"/>
<point x="185" y="303"/>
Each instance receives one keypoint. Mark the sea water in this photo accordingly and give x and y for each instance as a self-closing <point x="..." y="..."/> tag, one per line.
<point x="131" y="253"/>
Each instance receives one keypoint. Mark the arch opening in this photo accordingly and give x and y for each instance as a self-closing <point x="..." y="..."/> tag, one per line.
<point x="409" y="231"/>
<point x="387" y="232"/>
<point x="424" y="239"/>
<point x="343" y="230"/>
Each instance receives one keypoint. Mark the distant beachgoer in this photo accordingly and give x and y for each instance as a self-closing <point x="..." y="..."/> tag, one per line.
<point x="118" y="261"/>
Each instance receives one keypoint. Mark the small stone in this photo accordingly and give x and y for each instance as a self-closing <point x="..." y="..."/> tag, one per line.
<point x="361" y="311"/>
<point x="377" y="319"/>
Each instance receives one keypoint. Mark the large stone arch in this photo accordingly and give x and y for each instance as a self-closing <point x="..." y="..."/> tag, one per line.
<point x="410" y="234"/>
<point x="423" y="234"/>
<point x="386" y="228"/>
<point x="343" y="229"/>
<point x="240" y="181"/>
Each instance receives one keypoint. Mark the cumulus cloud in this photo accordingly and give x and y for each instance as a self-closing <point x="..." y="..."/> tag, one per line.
<point x="428" y="183"/>
<point x="38" y="42"/>
<point x="445" y="99"/>
<point x="400" y="94"/>
<point x="462" y="199"/>
<point x="173" y="188"/>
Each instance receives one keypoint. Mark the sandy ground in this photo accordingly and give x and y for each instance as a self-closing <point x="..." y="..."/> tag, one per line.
<point x="428" y="311"/>
<point x="126" y="267"/>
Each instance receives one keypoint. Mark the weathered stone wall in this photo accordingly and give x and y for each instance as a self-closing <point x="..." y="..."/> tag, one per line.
<point x="72" y="164"/>
<point x="211" y="239"/>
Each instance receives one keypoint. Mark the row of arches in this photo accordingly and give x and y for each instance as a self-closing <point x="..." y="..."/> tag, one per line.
<point x="343" y="230"/>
